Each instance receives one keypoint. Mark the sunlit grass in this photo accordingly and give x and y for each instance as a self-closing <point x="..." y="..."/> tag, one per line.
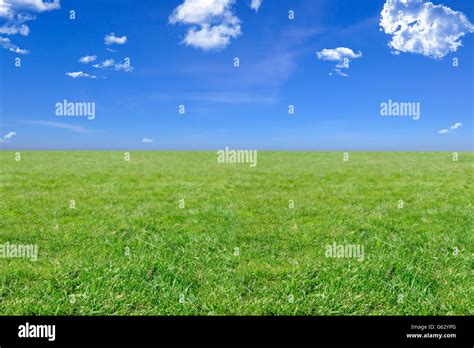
<point x="410" y="264"/>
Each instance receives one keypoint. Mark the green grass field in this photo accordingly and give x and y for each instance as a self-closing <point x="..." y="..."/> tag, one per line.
<point x="184" y="261"/>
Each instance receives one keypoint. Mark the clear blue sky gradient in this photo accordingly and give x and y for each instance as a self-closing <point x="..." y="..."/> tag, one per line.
<point x="245" y="107"/>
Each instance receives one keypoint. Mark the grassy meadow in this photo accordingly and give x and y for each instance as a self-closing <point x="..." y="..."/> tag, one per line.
<point x="248" y="241"/>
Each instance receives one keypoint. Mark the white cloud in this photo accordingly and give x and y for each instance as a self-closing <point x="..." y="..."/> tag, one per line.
<point x="80" y="74"/>
<point x="341" y="55"/>
<point x="211" y="37"/>
<point x="255" y="5"/>
<point x="113" y="65"/>
<point x="19" y="9"/>
<point x="451" y="129"/>
<point x="9" y="135"/>
<point x="6" y="138"/>
<point x="12" y="8"/>
<point x="213" y="23"/>
<point x="339" y="72"/>
<point x="424" y="28"/>
<point x="15" y="13"/>
<point x="111" y="39"/>
<point x="25" y="17"/>
<point x="147" y="140"/>
<point x="19" y="50"/>
<point x="14" y="29"/>
<point x="338" y="54"/>
<point x="87" y="59"/>
<point x="4" y="8"/>
<point x="200" y="11"/>
<point x="7" y="44"/>
<point x="123" y="67"/>
<point x="105" y="64"/>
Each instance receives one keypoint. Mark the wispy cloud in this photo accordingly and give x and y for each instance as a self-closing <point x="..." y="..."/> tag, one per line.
<point x="268" y="68"/>
<point x="14" y="29"/>
<point x="59" y="125"/>
<point x="451" y="129"/>
<point x="113" y="65"/>
<point x="6" y="43"/>
<point x="147" y="140"/>
<point x="80" y="74"/>
<point x="7" y="137"/>
<point x="104" y="64"/>
<point x="212" y="97"/>
<point x="232" y="98"/>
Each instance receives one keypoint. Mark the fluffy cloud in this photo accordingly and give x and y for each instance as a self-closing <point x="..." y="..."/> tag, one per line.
<point x="213" y="23"/>
<point x="4" y="8"/>
<point x="147" y="140"/>
<point x="211" y="37"/>
<point x="87" y="59"/>
<point x="15" y="13"/>
<point x="80" y="74"/>
<point x="111" y="39"/>
<point x="113" y="65"/>
<point x="20" y="9"/>
<point x="338" y="54"/>
<point x="6" y="138"/>
<point x="255" y="5"/>
<point x="341" y="55"/>
<point x="12" y="8"/>
<point x="451" y="129"/>
<point x="424" y="28"/>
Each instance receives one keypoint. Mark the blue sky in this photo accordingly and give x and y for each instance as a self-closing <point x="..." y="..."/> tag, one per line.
<point x="238" y="107"/>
